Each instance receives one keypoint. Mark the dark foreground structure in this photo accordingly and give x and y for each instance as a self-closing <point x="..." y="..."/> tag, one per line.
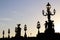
<point x="49" y="33"/>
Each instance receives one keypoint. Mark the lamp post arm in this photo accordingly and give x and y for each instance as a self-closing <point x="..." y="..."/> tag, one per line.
<point x="54" y="11"/>
<point x="43" y="13"/>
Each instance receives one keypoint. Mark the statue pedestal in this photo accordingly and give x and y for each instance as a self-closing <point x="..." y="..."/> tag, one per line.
<point x="50" y="31"/>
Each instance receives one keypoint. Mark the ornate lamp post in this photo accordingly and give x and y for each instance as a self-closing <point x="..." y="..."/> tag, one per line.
<point x="48" y="14"/>
<point x="25" y="29"/>
<point x="49" y="24"/>
<point x="38" y="26"/>
<point x="8" y="33"/>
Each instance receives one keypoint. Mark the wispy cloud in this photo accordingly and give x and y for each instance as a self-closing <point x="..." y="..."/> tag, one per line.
<point x="6" y="19"/>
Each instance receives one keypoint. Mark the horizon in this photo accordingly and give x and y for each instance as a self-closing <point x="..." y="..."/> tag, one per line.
<point x="27" y="12"/>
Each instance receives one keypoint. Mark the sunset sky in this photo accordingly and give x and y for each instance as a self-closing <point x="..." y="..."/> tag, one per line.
<point x="13" y="12"/>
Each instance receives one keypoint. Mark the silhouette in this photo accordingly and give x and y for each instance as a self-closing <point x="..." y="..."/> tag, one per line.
<point x="25" y="29"/>
<point x="18" y="31"/>
<point x="38" y="26"/>
<point x="3" y="33"/>
<point x="49" y="24"/>
<point x="49" y="33"/>
<point x="46" y="23"/>
<point x="8" y="33"/>
<point x="48" y="14"/>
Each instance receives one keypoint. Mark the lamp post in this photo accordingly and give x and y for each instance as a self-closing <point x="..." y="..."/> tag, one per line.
<point x="49" y="25"/>
<point x="48" y="14"/>
<point x="8" y="33"/>
<point x="25" y="29"/>
<point x="3" y="33"/>
<point x="38" y="26"/>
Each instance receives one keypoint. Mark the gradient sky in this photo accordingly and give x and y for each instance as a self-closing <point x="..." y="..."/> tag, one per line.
<point x="13" y="12"/>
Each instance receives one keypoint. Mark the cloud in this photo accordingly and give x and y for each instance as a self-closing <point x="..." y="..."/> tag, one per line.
<point x="6" y="19"/>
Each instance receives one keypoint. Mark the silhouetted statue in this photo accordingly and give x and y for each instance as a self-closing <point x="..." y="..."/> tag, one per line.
<point x="25" y="29"/>
<point x="8" y="33"/>
<point x="50" y="24"/>
<point x="3" y="33"/>
<point x="38" y="26"/>
<point x="18" y="31"/>
<point x="46" y="24"/>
